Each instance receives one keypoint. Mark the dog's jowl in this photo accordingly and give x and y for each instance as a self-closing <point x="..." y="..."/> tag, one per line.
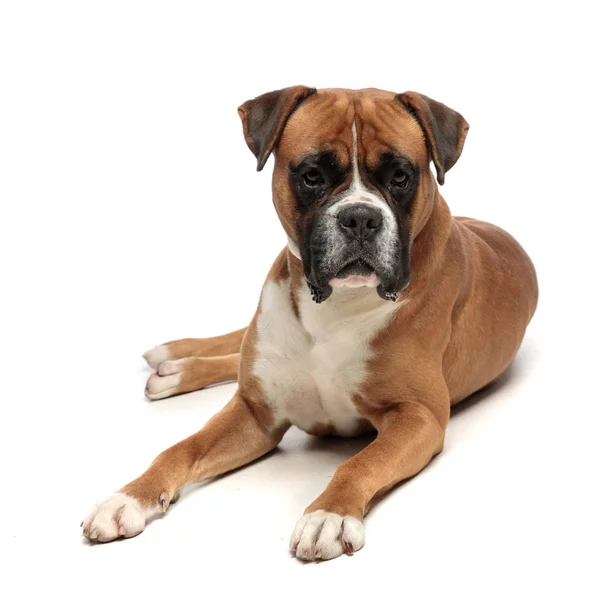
<point x="381" y="313"/>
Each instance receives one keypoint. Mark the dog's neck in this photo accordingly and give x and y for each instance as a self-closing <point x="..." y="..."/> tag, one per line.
<point x="429" y="245"/>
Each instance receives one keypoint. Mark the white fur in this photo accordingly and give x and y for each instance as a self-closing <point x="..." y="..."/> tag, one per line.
<point x="171" y="367"/>
<point x="323" y="535"/>
<point x="156" y="356"/>
<point x="293" y="248"/>
<point x="119" y="515"/>
<point x="311" y="368"/>
<point x="164" y="383"/>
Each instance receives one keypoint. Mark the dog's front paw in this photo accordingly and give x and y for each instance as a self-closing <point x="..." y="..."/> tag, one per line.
<point x="322" y="535"/>
<point x="119" y="515"/>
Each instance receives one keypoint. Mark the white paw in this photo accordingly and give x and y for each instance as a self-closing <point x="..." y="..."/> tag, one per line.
<point x="322" y="535"/>
<point x="119" y="515"/>
<point x="157" y="355"/>
<point x="166" y="381"/>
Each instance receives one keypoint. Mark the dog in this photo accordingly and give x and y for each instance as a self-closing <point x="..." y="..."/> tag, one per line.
<point x="381" y="312"/>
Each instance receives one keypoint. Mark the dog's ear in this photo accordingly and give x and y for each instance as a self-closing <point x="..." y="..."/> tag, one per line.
<point x="265" y="117"/>
<point x="445" y="130"/>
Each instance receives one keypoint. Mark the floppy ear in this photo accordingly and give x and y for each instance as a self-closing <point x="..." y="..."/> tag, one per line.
<point x="445" y="130"/>
<point x="265" y="117"/>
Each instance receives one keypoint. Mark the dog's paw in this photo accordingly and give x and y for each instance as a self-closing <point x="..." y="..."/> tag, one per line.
<point x="157" y="356"/>
<point x="119" y="515"/>
<point x="323" y="535"/>
<point x="166" y="381"/>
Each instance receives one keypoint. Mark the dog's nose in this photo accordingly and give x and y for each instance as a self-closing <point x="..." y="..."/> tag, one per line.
<point x="360" y="221"/>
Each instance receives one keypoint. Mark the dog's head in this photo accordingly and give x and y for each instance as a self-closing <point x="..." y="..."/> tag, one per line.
<point x="351" y="183"/>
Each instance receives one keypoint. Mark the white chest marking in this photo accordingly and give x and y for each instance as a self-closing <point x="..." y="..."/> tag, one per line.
<point x="311" y="368"/>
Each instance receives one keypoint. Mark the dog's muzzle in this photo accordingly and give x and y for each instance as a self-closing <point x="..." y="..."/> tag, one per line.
<point x="354" y="244"/>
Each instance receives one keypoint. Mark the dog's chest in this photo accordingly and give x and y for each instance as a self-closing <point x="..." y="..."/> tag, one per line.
<point x="312" y="365"/>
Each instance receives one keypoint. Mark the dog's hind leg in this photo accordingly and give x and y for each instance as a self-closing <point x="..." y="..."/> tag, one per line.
<point x="221" y="345"/>
<point x="190" y="374"/>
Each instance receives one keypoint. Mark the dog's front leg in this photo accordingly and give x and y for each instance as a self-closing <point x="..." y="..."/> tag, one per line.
<point x="241" y="432"/>
<point x="409" y="436"/>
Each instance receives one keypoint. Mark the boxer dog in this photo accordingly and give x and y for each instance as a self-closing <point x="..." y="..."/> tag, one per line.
<point x="381" y="313"/>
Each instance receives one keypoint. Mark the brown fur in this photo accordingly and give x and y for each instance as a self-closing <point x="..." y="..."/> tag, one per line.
<point x="472" y="293"/>
<point x="237" y="435"/>
<point x="199" y="372"/>
<point x="230" y="343"/>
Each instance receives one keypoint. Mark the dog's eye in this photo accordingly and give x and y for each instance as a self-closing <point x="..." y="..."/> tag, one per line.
<point x="313" y="177"/>
<point x="399" y="178"/>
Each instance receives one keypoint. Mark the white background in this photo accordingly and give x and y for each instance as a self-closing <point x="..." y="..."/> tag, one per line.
<point x="131" y="214"/>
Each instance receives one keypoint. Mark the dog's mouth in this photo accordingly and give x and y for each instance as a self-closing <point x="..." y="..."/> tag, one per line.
<point x="356" y="273"/>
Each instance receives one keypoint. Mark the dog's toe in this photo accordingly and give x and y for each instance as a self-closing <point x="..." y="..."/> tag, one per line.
<point x="323" y="535"/>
